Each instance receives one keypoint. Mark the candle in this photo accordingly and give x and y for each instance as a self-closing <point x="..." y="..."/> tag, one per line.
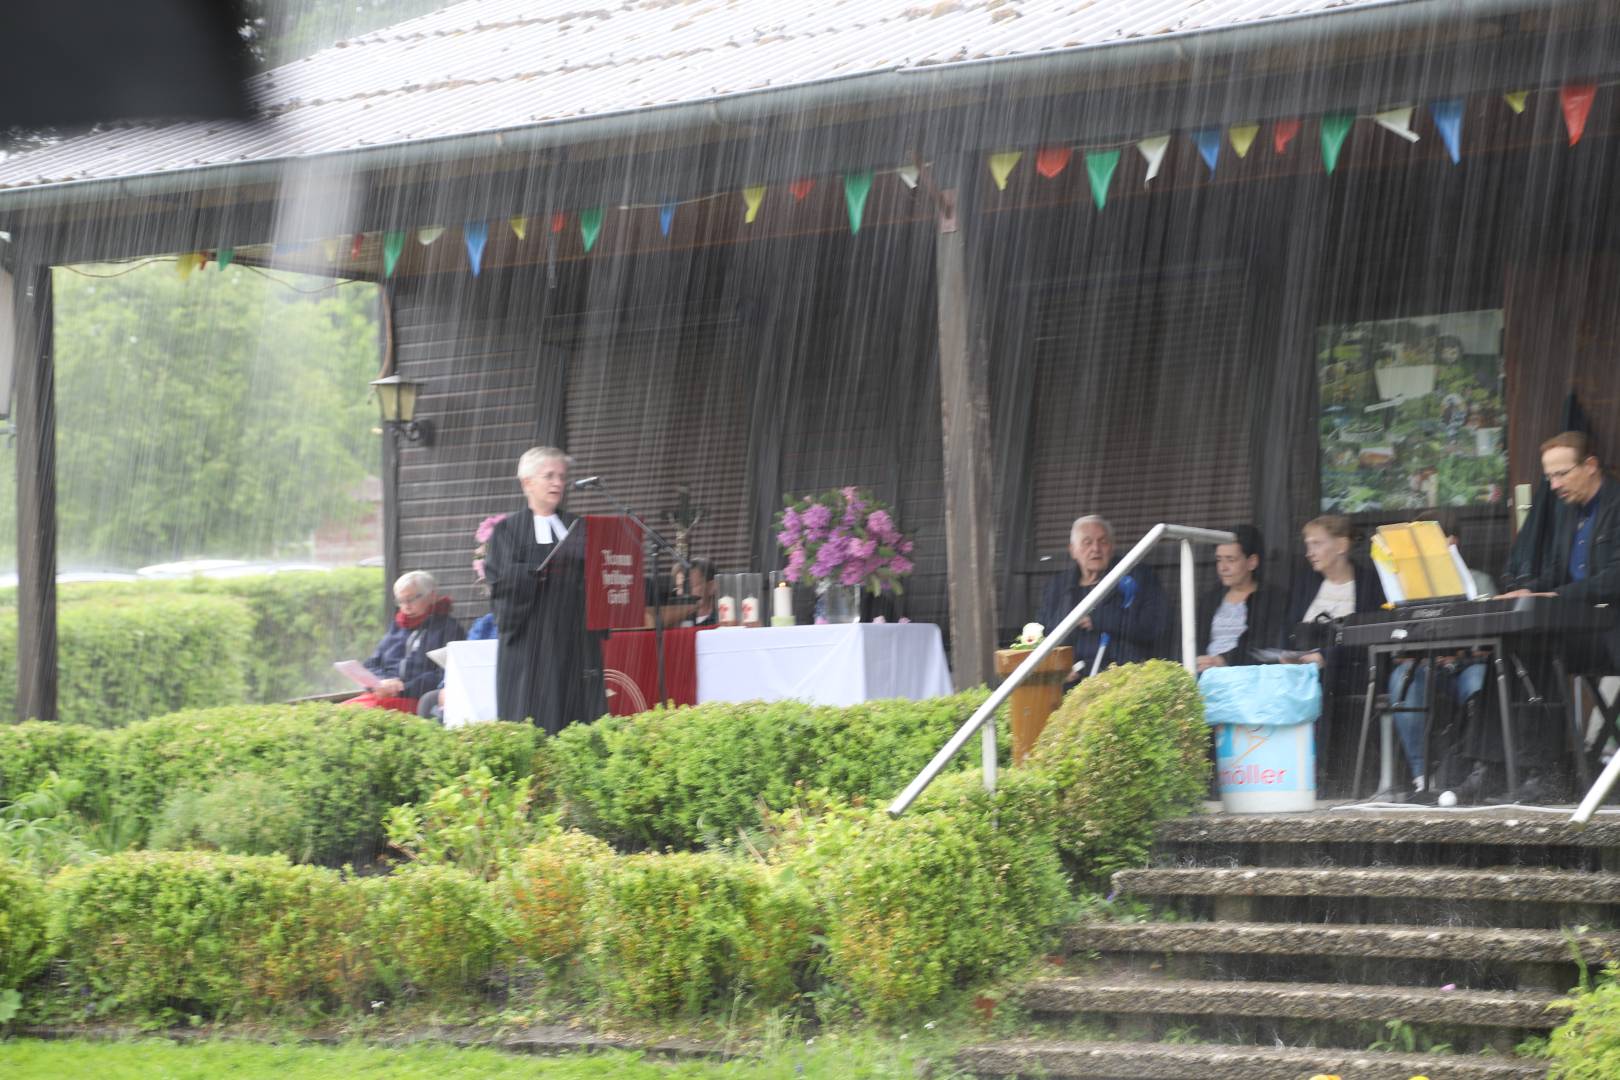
<point x="726" y="611"/>
<point x="750" y="611"/>
<point x="782" y="605"/>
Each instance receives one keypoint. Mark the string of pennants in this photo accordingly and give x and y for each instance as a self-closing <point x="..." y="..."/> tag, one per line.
<point x="1575" y="102"/>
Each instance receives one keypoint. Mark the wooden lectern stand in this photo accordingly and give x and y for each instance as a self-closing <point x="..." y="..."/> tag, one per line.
<point x="1037" y="697"/>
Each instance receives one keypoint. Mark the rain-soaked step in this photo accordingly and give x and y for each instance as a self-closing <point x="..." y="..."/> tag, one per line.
<point x="1171" y="1061"/>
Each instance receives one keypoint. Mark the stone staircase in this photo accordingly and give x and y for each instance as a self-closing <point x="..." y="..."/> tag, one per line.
<point x="1368" y="945"/>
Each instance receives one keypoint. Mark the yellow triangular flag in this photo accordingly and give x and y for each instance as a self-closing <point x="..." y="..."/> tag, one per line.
<point x="752" y="197"/>
<point x="329" y="246"/>
<point x="520" y="226"/>
<point x="1515" y="100"/>
<point x="186" y="264"/>
<point x="428" y="235"/>
<point x="1399" y="121"/>
<point x="1242" y="137"/>
<point x="1002" y="165"/>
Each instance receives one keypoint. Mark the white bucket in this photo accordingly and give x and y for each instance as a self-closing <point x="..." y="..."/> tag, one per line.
<point x="1266" y="769"/>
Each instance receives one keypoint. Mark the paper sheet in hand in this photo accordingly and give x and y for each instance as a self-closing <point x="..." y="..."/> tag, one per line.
<point x="438" y="655"/>
<point x="357" y="672"/>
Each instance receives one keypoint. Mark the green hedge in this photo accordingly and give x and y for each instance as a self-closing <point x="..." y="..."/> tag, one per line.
<point x="677" y="934"/>
<point x="1587" y="1045"/>
<point x="23" y="948"/>
<point x="341" y="767"/>
<point x="130" y="651"/>
<point x="434" y="930"/>
<point x="1126" y="749"/>
<point x="685" y="777"/>
<point x="31" y="751"/>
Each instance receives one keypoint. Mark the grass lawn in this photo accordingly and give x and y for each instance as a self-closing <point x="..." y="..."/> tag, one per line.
<point x="159" y="1059"/>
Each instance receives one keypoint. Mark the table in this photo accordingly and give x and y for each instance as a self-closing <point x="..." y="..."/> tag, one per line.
<point x="630" y="674"/>
<point x="829" y="664"/>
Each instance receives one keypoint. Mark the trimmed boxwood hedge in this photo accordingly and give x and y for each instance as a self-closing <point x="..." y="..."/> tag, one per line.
<point x="23" y="948"/>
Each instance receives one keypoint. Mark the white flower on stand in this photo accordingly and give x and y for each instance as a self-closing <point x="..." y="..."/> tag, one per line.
<point x="1032" y="634"/>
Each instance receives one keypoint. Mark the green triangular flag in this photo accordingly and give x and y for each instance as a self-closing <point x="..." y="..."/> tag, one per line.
<point x="590" y="226"/>
<point x="223" y="257"/>
<point x="1100" y="165"/>
<point x="1335" y="127"/>
<point x="393" y="244"/>
<point x="857" y="186"/>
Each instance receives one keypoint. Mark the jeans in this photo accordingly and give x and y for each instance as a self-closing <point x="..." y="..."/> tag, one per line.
<point x="1466" y="681"/>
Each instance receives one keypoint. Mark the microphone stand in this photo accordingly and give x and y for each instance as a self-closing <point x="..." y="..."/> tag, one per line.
<point x="656" y="544"/>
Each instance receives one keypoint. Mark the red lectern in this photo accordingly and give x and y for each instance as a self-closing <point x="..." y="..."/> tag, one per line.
<point x="614" y="594"/>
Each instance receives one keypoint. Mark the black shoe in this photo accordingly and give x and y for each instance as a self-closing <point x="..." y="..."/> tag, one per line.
<point x="1472" y="788"/>
<point x="1538" y="788"/>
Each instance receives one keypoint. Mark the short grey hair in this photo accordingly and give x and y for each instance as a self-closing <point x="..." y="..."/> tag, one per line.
<point x="535" y="456"/>
<point x="1091" y="519"/>
<point x="420" y="580"/>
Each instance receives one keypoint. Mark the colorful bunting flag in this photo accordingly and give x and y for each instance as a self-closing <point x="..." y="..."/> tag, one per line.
<point x="801" y="188"/>
<point x="1399" y="121"/>
<point x="1241" y="137"/>
<point x="202" y="259"/>
<point x="393" y="244"/>
<point x="223" y="257"/>
<point x="354" y="245"/>
<point x="426" y="236"/>
<point x="1152" y="150"/>
<point x="1576" y="99"/>
<point x="1283" y="132"/>
<point x="1053" y="159"/>
<point x="1002" y="165"/>
<point x="329" y="247"/>
<point x="1448" y="121"/>
<point x="185" y="264"/>
<point x="520" y="227"/>
<point x="666" y="217"/>
<point x="590" y="226"/>
<point x="857" y="186"/>
<point x="559" y="222"/>
<point x="1209" y="146"/>
<point x="908" y="174"/>
<point x="476" y="234"/>
<point x="1100" y="166"/>
<point x="1335" y="129"/>
<point x="752" y="197"/>
<point x="1515" y="100"/>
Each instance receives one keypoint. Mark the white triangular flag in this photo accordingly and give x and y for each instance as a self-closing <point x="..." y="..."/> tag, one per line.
<point x="1152" y="149"/>
<point x="908" y="175"/>
<point x="1399" y="121"/>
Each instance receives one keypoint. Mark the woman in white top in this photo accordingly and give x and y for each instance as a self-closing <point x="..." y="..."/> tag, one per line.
<point x="1336" y="585"/>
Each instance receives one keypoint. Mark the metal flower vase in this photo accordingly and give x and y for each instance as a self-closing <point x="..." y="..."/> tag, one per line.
<point x="838" y="603"/>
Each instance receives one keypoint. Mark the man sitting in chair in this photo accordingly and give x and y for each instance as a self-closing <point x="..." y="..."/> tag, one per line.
<point x="1124" y="628"/>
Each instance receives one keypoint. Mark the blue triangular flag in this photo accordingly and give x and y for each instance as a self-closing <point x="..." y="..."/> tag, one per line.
<point x="1448" y="119"/>
<point x="476" y="234"/>
<point x="1209" y="146"/>
<point x="666" y="216"/>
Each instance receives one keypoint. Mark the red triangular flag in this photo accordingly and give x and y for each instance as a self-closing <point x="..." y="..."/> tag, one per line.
<point x="354" y="248"/>
<point x="801" y="188"/>
<point x="558" y="222"/>
<point x="1576" y="99"/>
<point x="1282" y="133"/>
<point x="1053" y="160"/>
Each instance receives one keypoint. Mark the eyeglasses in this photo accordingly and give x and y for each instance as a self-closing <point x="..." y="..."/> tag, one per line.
<point x="413" y="598"/>
<point x="1559" y="474"/>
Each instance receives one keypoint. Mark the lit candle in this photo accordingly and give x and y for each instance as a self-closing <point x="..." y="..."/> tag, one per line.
<point x="782" y="601"/>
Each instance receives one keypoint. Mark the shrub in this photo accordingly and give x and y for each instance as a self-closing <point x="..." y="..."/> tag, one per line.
<point x="243" y="814"/>
<point x="433" y="930"/>
<point x="962" y="888"/>
<point x="683" y="777"/>
<point x="545" y="888"/>
<point x="475" y="822"/>
<point x="673" y="934"/>
<point x="1587" y="1045"/>
<point x="33" y="751"/>
<point x="23" y="946"/>
<point x="170" y="934"/>
<point x="1126" y="749"/>
<point x="126" y="659"/>
<point x="341" y="767"/>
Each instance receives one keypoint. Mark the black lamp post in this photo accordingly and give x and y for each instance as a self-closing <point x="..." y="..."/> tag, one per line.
<point x="396" y="397"/>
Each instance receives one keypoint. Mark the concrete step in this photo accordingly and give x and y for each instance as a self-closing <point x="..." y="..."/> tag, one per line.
<point x="1167" y="1061"/>
<point x="1293" y="939"/>
<point x="1336" y="1002"/>
<point x="1498" y="827"/>
<point x="1447" y="883"/>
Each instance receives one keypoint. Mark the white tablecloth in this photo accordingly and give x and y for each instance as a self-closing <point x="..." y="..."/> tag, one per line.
<point x="831" y="664"/>
<point x="468" y="696"/>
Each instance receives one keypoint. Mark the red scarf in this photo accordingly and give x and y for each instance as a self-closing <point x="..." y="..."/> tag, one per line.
<point x="441" y="606"/>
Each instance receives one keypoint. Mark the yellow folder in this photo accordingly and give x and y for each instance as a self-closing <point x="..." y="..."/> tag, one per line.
<point x="1420" y="559"/>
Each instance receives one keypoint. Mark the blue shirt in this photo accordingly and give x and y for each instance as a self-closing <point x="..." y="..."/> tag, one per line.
<point x="1580" y="552"/>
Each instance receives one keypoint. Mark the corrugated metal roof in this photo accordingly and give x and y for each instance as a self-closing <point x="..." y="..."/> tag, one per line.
<point x="487" y="65"/>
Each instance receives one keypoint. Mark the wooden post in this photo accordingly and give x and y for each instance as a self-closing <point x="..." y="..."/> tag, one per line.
<point x="964" y="390"/>
<point x="35" y="417"/>
<point x="1037" y="697"/>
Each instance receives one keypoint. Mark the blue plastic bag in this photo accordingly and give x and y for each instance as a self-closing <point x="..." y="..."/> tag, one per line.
<point x="1265" y="694"/>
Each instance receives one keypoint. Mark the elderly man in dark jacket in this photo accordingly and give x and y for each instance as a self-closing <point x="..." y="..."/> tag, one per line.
<point x="1130" y="618"/>
<point x="401" y="662"/>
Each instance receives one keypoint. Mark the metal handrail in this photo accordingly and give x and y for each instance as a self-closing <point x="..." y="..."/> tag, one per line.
<point x="983" y="719"/>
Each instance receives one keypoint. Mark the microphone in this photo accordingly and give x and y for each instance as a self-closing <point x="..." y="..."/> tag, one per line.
<point x="586" y="483"/>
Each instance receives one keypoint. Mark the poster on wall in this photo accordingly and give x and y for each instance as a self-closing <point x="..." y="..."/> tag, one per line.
<point x="1412" y="412"/>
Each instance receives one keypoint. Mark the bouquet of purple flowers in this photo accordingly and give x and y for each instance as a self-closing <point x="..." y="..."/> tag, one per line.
<point x="843" y="537"/>
<point x="485" y="530"/>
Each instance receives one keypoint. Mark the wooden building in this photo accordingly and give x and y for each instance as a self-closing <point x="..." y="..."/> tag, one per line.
<point x="991" y="360"/>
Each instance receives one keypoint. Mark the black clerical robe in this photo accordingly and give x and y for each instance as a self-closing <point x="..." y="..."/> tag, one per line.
<point x="548" y="666"/>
